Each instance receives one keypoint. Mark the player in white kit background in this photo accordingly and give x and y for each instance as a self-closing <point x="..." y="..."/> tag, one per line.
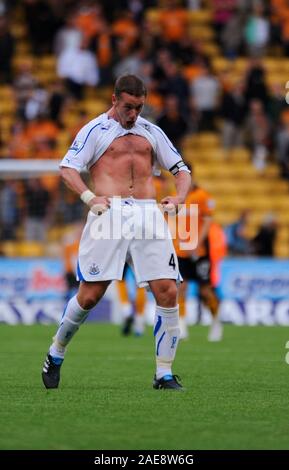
<point x="122" y="151"/>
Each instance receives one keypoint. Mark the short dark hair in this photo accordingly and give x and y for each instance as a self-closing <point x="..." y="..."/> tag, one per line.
<point x="130" y="84"/>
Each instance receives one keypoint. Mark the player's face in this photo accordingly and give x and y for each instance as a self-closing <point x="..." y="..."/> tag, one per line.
<point x="127" y="109"/>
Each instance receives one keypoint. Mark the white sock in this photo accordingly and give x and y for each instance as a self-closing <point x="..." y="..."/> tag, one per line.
<point x="139" y="324"/>
<point x="126" y="310"/>
<point x="71" y="320"/>
<point x="166" y="333"/>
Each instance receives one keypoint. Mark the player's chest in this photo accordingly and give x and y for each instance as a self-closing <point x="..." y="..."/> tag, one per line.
<point x="130" y="144"/>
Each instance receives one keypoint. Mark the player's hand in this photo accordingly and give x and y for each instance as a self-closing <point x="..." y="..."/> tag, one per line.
<point x="99" y="204"/>
<point x="170" y="204"/>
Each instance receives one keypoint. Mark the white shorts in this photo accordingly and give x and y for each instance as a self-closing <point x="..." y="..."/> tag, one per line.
<point x="132" y="231"/>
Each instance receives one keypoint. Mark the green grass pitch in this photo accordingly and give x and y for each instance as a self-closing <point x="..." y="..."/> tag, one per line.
<point x="237" y="391"/>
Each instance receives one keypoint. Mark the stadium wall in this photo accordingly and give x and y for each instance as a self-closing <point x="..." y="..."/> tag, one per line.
<point x="252" y="291"/>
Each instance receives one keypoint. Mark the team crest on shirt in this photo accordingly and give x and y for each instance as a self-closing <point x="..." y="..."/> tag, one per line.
<point x="76" y="145"/>
<point x="94" y="270"/>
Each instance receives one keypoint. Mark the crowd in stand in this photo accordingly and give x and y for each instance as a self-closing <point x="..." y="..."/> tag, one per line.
<point x="96" y="41"/>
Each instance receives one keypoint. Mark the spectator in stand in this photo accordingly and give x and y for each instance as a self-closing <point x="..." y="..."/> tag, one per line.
<point x="45" y="149"/>
<point x="104" y="53"/>
<point x="205" y="96"/>
<point x="185" y="52"/>
<point x="79" y="68"/>
<point x="193" y="4"/>
<point x="125" y="31"/>
<point x="237" y="241"/>
<point x="23" y="86"/>
<point x="37" y="103"/>
<point x="112" y="8"/>
<point x="137" y="8"/>
<point x="276" y="105"/>
<point x="8" y="210"/>
<point x="89" y="19"/>
<point x="68" y="36"/>
<point x="283" y="17"/>
<point x="257" y="32"/>
<point x="56" y="102"/>
<point x="233" y="111"/>
<point x="4" y="7"/>
<point x="264" y="241"/>
<point x="20" y="143"/>
<point x="42" y="25"/>
<point x="155" y="102"/>
<point x="255" y="83"/>
<point x="42" y="129"/>
<point x="150" y="40"/>
<point x="173" y="22"/>
<point x="258" y="134"/>
<point x="37" y="210"/>
<point x="1" y="133"/>
<point x="172" y="121"/>
<point x="223" y="10"/>
<point x="162" y="57"/>
<point x="7" y="49"/>
<point x="128" y="62"/>
<point x="282" y="150"/>
<point x="175" y="84"/>
<point x="232" y="35"/>
<point x="193" y="63"/>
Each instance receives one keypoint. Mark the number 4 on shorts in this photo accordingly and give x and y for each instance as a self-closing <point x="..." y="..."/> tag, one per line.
<point x="172" y="261"/>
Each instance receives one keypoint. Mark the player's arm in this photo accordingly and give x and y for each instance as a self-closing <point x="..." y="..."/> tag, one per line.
<point x="73" y="180"/>
<point x="170" y="159"/>
<point x="183" y="183"/>
<point x="76" y="159"/>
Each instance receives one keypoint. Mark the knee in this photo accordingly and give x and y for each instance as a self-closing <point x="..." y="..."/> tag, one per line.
<point x="89" y="295"/>
<point x="87" y="301"/>
<point x="182" y="290"/>
<point x="205" y="292"/>
<point x="208" y="296"/>
<point x="167" y="294"/>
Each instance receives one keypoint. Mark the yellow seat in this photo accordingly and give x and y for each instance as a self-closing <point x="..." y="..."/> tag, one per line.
<point x="23" y="59"/>
<point x="220" y="64"/>
<point x="9" y="249"/>
<point x="200" y="16"/>
<point x="211" y="49"/>
<point x="282" y="250"/>
<point x="47" y="62"/>
<point x="30" y="249"/>
<point x="201" y="32"/>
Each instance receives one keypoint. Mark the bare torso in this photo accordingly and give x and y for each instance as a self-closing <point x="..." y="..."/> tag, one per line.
<point x="125" y="169"/>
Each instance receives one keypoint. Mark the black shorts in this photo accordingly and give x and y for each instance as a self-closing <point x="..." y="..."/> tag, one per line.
<point x="198" y="270"/>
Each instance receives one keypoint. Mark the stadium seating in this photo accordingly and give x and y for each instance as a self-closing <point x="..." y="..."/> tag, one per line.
<point x="236" y="185"/>
<point x="233" y="180"/>
<point x="22" y="249"/>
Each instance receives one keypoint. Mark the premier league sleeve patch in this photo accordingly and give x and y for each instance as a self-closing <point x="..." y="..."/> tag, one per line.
<point x="76" y="146"/>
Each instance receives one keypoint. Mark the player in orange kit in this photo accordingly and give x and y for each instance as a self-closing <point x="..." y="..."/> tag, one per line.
<point x="196" y="265"/>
